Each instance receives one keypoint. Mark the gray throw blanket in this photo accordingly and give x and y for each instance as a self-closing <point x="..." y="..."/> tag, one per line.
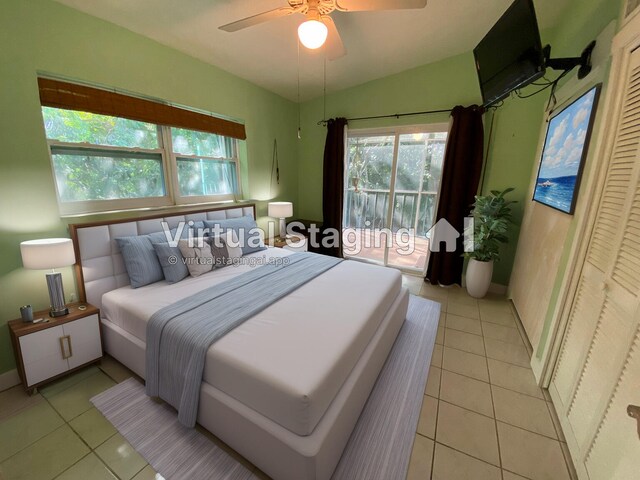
<point x="178" y="336"/>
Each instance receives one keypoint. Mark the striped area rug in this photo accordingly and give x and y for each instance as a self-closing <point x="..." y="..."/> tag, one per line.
<point x="379" y="447"/>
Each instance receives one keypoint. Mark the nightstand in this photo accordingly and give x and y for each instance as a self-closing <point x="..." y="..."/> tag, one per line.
<point x="45" y="351"/>
<point x="296" y="243"/>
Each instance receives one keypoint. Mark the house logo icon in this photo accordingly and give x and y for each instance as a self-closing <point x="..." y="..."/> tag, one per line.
<point x="444" y="232"/>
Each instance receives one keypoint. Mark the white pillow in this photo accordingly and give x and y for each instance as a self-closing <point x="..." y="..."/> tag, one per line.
<point x="198" y="258"/>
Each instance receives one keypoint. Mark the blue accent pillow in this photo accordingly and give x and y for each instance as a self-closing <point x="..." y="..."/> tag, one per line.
<point x="246" y="231"/>
<point x="172" y="262"/>
<point x="140" y="258"/>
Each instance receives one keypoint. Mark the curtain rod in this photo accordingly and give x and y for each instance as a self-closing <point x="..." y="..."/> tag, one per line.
<point x="395" y="115"/>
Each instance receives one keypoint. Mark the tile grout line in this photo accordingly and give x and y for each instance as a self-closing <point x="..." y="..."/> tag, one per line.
<point x="461" y="452"/>
<point x="518" y="474"/>
<point x="468" y="455"/>
<point x="43" y="436"/>
<point x="480" y="334"/>
<point x="510" y="363"/>
<point x="116" y="433"/>
<point x="34" y="442"/>
<point x="523" y="344"/>
<point x="466" y="409"/>
<point x="435" y="431"/>
<point x="529" y="431"/>
<point x="484" y="381"/>
<point x="67" y="422"/>
<point x="495" y="417"/>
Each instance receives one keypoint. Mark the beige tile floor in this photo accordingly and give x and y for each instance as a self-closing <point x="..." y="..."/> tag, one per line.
<point x="483" y="417"/>
<point x="57" y="433"/>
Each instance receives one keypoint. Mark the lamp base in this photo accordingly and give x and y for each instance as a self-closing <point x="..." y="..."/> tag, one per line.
<point x="56" y="295"/>
<point x="58" y="313"/>
<point x="283" y="228"/>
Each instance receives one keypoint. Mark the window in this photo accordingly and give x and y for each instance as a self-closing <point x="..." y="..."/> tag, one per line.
<point x="103" y="162"/>
<point x="206" y="163"/>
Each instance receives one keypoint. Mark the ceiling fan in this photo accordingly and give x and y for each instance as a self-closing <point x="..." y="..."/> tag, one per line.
<point x="319" y="28"/>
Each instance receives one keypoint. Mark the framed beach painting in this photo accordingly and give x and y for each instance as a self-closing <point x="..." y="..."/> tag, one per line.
<point x="564" y="153"/>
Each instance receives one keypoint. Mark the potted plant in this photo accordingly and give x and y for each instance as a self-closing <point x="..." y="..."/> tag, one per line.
<point x="491" y="218"/>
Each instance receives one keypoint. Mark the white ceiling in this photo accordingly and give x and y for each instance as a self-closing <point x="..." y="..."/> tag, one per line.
<point x="378" y="43"/>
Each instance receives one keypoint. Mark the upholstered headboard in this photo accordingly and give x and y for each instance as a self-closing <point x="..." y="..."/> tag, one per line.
<point x="100" y="268"/>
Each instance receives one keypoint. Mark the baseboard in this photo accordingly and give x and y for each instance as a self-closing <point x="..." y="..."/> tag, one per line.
<point x="496" y="288"/>
<point x="9" y="379"/>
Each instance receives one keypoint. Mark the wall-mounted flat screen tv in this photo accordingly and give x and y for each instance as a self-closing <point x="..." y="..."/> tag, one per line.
<point x="510" y="56"/>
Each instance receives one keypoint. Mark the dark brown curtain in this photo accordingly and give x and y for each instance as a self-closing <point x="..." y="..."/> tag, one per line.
<point x="460" y="179"/>
<point x="333" y="182"/>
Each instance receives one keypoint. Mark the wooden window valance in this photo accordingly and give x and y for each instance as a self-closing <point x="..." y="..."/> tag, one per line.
<point x="71" y="96"/>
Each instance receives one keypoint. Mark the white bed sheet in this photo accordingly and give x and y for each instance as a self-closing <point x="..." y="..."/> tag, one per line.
<point x="289" y="361"/>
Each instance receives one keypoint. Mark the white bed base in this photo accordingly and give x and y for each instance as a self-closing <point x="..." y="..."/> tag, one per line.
<point x="278" y="452"/>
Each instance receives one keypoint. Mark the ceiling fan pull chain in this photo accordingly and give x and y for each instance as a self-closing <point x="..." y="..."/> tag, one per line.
<point x="275" y="165"/>
<point x="299" y="120"/>
<point x="324" y="92"/>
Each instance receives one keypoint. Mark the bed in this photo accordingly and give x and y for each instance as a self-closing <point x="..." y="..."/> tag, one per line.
<point x="285" y="388"/>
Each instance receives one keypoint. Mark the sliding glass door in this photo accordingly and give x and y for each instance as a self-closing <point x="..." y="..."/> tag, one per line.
<point x="391" y="194"/>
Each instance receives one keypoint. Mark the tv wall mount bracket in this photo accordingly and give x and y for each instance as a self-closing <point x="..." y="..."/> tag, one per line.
<point x="568" y="64"/>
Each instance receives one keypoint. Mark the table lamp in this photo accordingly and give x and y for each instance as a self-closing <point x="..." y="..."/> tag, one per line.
<point x="281" y="210"/>
<point x="50" y="253"/>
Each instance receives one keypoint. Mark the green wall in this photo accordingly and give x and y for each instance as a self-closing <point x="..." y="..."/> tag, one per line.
<point x="435" y="86"/>
<point x="581" y="23"/>
<point x="43" y="36"/>
<point x="512" y="152"/>
<point x="439" y="85"/>
<point x="516" y="125"/>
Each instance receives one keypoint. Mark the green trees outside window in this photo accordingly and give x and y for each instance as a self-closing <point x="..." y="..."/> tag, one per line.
<point x="99" y="158"/>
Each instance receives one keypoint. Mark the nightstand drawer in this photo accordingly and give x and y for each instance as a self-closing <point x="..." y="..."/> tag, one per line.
<point x="42" y="355"/>
<point x="84" y="340"/>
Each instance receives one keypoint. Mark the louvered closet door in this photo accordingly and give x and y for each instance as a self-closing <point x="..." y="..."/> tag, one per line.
<point x="598" y="370"/>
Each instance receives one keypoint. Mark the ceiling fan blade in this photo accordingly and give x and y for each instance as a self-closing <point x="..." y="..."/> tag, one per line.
<point x="257" y="19"/>
<point x="334" y="46"/>
<point x="369" y="5"/>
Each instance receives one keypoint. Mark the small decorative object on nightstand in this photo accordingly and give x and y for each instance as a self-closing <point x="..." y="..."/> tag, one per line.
<point x="295" y="243"/>
<point x="50" y="253"/>
<point x="281" y="210"/>
<point x="53" y="346"/>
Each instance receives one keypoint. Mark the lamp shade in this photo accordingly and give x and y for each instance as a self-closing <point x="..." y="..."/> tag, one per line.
<point x="47" y="253"/>
<point x="281" y="209"/>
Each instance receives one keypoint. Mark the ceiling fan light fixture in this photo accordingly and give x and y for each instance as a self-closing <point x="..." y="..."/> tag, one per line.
<point x="312" y="34"/>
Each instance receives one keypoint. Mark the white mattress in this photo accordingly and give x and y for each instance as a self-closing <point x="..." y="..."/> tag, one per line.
<point x="289" y="361"/>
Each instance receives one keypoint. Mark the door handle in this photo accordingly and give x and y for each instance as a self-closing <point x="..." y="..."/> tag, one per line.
<point x="634" y="412"/>
<point x="66" y="339"/>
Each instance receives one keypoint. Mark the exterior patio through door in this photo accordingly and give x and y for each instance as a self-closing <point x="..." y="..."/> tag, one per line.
<point x="392" y="184"/>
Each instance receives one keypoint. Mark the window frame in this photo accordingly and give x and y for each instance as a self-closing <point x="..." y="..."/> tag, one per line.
<point x="167" y="141"/>
<point x="170" y="179"/>
<point x="395" y="131"/>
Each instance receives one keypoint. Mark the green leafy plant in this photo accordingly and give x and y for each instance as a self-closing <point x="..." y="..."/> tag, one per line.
<point x="491" y="220"/>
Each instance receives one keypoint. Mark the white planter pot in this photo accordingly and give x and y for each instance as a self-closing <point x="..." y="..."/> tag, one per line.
<point x="478" y="277"/>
